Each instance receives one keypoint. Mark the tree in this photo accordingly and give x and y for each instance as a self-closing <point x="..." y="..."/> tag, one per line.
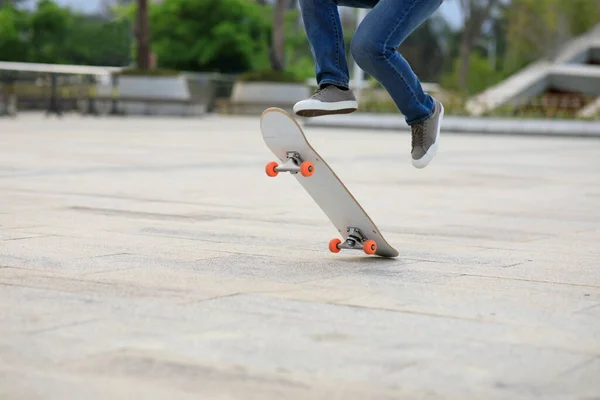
<point x="50" y="25"/>
<point x="580" y="15"/>
<point x="427" y="48"/>
<point x="110" y="8"/>
<point x="14" y="29"/>
<point x="143" y="35"/>
<point x="228" y="36"/>
<point x="538" y="29"/>
<point x="474" y="13"/>
<point x="277" y="52"/>
<point x="278" y="36"/>
<point x="54" y="34"/>
<point x="95" y="41"/>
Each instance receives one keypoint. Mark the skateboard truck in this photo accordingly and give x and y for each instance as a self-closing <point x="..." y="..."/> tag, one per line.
<point x="293" y="164"/>
<point x="355" y="241"/>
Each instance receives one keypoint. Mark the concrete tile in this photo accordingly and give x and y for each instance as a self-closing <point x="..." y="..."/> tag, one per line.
<point x="153" y="258"/>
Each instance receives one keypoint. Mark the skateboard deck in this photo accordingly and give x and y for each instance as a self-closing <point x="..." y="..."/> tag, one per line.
<point x="285" y="138"/>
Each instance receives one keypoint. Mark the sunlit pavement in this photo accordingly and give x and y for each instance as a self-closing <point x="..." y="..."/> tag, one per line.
<point x="153" y="258"/>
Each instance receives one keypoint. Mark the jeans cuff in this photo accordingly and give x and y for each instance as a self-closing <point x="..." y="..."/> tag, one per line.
<point x="334" y="82"/>
<point x="426" y="117"/>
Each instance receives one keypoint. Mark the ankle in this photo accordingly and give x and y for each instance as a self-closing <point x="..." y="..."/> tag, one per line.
<point x="323" y="86"/>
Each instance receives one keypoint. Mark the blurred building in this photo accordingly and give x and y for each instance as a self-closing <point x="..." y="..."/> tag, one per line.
<point x="567" y="85"/>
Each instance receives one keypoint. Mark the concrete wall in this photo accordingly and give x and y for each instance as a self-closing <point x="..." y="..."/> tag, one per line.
<point x="156" y="88"/>
<point x="594" y="55"/>
<point x="583" y="79"/>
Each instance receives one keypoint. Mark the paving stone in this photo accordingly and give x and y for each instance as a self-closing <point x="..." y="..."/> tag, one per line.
<point x="152" y="258"/>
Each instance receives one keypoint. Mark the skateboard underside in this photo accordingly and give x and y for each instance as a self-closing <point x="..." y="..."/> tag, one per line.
<point x="285" y="138"/>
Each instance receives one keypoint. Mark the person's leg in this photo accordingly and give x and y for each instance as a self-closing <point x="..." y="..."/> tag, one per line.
<point x="324" y="31"/>
<point x="374" y="47"/>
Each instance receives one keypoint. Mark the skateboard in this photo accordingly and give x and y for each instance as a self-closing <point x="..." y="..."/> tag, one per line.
<point x="285" y="138"/>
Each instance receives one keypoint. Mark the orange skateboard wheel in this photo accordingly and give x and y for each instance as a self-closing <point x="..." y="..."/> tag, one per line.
<point x="370" y="247"/>
<point x="333" y="245"/>
<point x="307" y="168"/>
<point x="270" y="169"/>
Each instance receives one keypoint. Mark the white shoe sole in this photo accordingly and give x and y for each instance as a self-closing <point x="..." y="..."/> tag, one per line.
<point x="310" y="107"/>
<point x="428" y="156"/>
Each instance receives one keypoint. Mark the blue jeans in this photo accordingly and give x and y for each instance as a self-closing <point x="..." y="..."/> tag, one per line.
<point x="373" y="47"/>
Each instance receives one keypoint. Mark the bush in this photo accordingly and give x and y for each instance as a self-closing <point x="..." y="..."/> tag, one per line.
<point x="481" y="75"/>
<point x="226" y="36"/>
<point x="270" y="75"/>
<point x="150" y="72"/>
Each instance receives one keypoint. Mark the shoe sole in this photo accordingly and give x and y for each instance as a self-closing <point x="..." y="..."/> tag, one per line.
<point x="318" y="108"/>
<point x="428" y="156"/>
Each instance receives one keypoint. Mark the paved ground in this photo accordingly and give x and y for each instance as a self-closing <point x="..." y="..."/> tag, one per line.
<point x="152" y="258"/>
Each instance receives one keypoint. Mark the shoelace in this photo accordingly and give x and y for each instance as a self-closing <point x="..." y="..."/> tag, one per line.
<point x="319" y="91"/>
<point x="418" y="134"/>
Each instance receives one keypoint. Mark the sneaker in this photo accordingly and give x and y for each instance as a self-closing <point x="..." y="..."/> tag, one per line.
<point x="425" y="137"/>
<point x="327" y="100"/>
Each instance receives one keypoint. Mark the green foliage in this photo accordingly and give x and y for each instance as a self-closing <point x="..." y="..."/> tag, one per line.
<point x="581" y="15"/>
<point x="269" y="75"/>
<point x="481" y="75"/>
<point x="299" y="60"/>
<point x="538" y="29"/>
<point x="234" y="36"/>
<point x="425" y="49"/>
<point x="96" y="42"/>
<point x="53" y="34"/>
<point x="524" y="31"/>
<point x="13" y="34"/>
<point x="150" y="72"/>
<point x="50" y="25"/>
<point x="303" y="68"/>
<point x="228" y="36"/>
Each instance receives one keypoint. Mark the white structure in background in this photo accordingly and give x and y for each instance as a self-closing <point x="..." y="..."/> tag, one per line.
<point x="135" y="95"/>
<point x="576" y="69"/>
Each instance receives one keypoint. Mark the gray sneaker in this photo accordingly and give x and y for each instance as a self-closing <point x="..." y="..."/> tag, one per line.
<point x="327" y="100"/>
<point x="425" y="137"/>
